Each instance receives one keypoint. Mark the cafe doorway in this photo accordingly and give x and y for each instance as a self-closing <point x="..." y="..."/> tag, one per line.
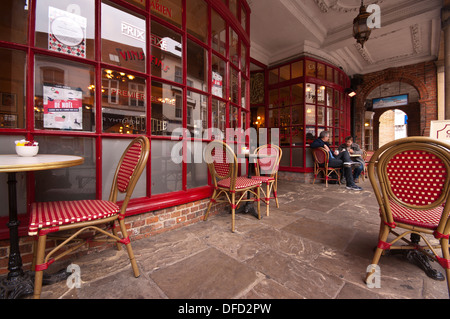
<point x="393" y="126"/>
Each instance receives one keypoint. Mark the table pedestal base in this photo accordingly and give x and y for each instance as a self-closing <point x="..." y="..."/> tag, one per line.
<point x="16" y="287"/>
<point x="247" y="208"/>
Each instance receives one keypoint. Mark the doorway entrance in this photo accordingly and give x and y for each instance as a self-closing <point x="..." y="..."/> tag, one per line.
<point x="393" y="126"/>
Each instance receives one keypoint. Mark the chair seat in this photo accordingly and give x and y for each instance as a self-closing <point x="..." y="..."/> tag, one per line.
<point x="264" y="179"/>
<point x="51" y="214"/>
<point x="422" y="218"/>
<point x="241" y="183"/>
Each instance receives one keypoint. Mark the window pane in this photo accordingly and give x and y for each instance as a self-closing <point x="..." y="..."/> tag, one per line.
<point x="123" y="38"/>
<point x="297" y="94"/>
<point x="297" y="135"/>
<point x="123" y="103"/>
<point x="310" y="68"/>
<point x="321" y="71"/>
<point x="166" y="52"/>
<point x="234" y="86"/>
<point x="137" y="3"/>
<point x="285" y="137"/>
<point x="197" y="66"/>
<point x="274" y="118"/>
<point x="112" y="152"/>
<point x="197" y="19"/>
<point x="320" y="115"/>
<point x="197" y="114"/>
<point x="197" y="170"/>
<point x="169" y="10"/>
<point x="321" y="94"/>
<point x="243" y="57"/>
<point x="72" y="183"/>
<point x="297" y="157"/>
<point x="66" y="27"/>
<point x="234" y="117"/>
<point x="234" y="53"/>
<point x="14" y="21"/>
<point x="166" y="173"/>
<point x="310" y="93"/>
<point x="219" y="115"/>
<point x="285" y="73"/>
<point x="297" y="69"/>
<point x="64" y="95"/>
<point x="12" y="88"/>
<point x="243" y="18"/>
<point x="286" y="158"/>
<point x="243" y="93"/>
<point x="167" y="108"/>
<point x="273" y="76"/>
<point x="310" y="114"/>
<point x="218" y="33"/>
<point x="285" y="116"/>
<point x="218" y="76"/>
<point x="297" y="115"/>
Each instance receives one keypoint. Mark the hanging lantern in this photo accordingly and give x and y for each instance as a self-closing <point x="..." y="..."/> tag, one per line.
<point x="361" y="31"/>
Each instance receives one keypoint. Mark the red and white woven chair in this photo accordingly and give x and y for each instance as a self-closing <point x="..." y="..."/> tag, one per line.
<point x="81" y="215"/>
<point x="223" y="167"/>
<point x="321" y="158"/>
<point x="267" y="162"/>
<point x="411" y="179"/>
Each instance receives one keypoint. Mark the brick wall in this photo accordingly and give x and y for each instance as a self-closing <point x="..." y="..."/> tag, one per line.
<point x="138" y="227"/>
<point x="422" y="76"/>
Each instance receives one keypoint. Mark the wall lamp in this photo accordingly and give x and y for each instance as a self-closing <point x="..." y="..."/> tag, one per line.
<point x="350" y="92"/>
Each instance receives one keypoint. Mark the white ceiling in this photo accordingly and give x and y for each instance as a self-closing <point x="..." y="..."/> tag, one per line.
<point x="283" y="29"/>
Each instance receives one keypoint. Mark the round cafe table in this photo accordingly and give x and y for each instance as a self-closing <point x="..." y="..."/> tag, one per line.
<point x="17" y="282"/>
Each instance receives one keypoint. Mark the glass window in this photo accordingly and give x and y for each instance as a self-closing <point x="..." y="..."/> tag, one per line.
<point x="273" y="98"/>
<point x="167" y="174"/>
<point x="297" y="115"/>
<point x="243" y="18"/>
<point x="274" y="118"/>
<point x="297" y="69"/>
<point x="219" y="115"/>
<point x="329" y="117"/>
<point x="243" y="57"/>
<point x="233" y="7"/>
<point x="167" y="108"/>
<point x="243" y="92"/>
<point x="297" y="94"/>
<point x="285" y="116"/>
<point x="66" y="27"/>
<point x="218" y="33"/>
<point x="273" y="76"/>
<point x="297" y="136"/>
<point x="321" y="94"/>
<point x="320" y="71"/>
<point x="197" y="171"/>
<point x="197" y="114"/>
<point x="234" y="86"/>
<point x="310" y="114"/>
<point x="234" y="53"/>
<point x="320" y="115"/>
<point x="330" y="74"/>
<point x="197" y="66"/>
<point x="329" y="96"/>
<point x="70" y="183"/>
<point x="197" y="19"/>
<point x="123" y="38"/>
<point x="310" y="68"/>
<point x="166" y="53"/>
<point x="285" y="96"/>
<point x="297" y="157"/>
<point x="137" y="3"/>
<point x="310" y="93"/>
<point x="234" y="117"/>
<point x="64" y="95"/>
<point x="12" y="88"/>
<point x="285" y="137"/>
<point x="123" y="103"/>
<point x="285" y="73"/>
<point x="169" y="10"/>
<point x="14" y="21"/>
<point x="218" y="76"/>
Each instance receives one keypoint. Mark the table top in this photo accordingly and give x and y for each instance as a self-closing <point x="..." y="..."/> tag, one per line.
<point x="355" y="155"/>
<point x="16" y="163"/>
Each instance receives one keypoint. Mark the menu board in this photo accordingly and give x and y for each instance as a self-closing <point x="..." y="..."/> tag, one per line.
<point x="63" y="108"/>
<point x="67" y="32"/>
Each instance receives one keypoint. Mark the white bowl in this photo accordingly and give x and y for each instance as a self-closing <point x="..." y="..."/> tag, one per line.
<point x="27" y="151"/>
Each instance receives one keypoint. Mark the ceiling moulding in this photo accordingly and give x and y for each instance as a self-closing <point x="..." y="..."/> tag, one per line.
<point x="336" y="5"/>
<point x="258" y="53"/>
<point x="302" y="13"/>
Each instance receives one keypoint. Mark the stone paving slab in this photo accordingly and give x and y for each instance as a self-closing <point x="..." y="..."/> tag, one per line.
<point x="317" y="245"/>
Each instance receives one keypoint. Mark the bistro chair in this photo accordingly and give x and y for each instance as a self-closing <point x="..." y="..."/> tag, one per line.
<point x="81" y="215"/>
<point x="321" y="158"/>
<point x="266" y="169"/>
<point x="230" y="188"/>
<point x="410" y="178"/>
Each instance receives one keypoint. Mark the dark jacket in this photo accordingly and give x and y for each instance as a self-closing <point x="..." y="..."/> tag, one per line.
<point x="319" y="143"/>
<point x="356" y="150"/>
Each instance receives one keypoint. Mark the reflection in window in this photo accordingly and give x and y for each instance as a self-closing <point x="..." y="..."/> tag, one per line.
<point x="218" y="33"/>
<point x="197" y="66"/>
<point x="66" y="27"/>
<point x="218" y="76"/>
<point x="14" y="21"/>
<point x="123" y="103"/>
<point x="197" y="171"/>
<point x="166" y="52"/>
<point x="234" y="41"/>
<point x="12" y="88"/>
<point x="123" y="38"/>
<point x="234" y="86"/>
<point x="64" y="95"/>
<point x="167" y="108"/>
<point x="70" y="183"/>
<point x="197" y="117"/>
<point x="219" y="114"/>
<point x="166" y="173"/>
<point x="197" y="19"/>
<point x="169" y="10"/>
<point x="310" y="93"/>
<point x="310" y="114"/>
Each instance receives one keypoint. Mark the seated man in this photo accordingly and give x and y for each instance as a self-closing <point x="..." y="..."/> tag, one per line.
<point x="353" y="149"/>
<point x="337" y="159"/>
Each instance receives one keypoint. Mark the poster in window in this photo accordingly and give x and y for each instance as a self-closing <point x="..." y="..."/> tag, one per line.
<point x="67" y="32"/>
<point x="63" y="108"/>
<point x="217" y="84"/>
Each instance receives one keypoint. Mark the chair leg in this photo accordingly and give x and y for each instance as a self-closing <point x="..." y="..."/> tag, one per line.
<point x="129" y="249"/>
<point x="233" y="210"/>
<point x="258" y="192"/>
<point x="384" y="232"/>
<point x="275" y="192"/>
<point x="114" y="231"/>
<point x="267" y="198"/>
<point x="213" y="197"/>
<point x="446" y="255"/>
<point x="40" y="254"/>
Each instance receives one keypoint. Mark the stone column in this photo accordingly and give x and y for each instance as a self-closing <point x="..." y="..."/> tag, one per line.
<point x="445" y="17"/>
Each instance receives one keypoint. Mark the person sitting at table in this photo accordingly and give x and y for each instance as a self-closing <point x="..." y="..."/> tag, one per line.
<point x="353" y="149"/>
<point x="337" y="159"/>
